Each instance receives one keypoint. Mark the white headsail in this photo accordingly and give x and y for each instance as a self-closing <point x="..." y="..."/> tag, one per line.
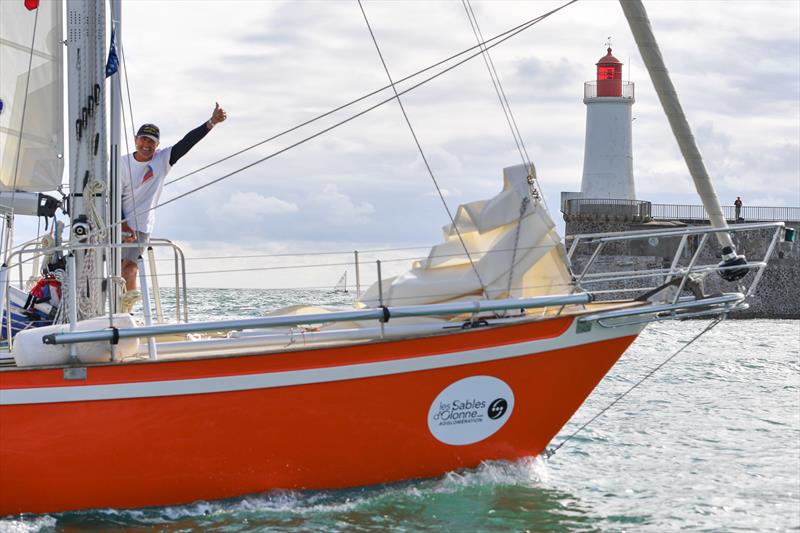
<point x="31" y="96"/>
<point x="515" y="250"/>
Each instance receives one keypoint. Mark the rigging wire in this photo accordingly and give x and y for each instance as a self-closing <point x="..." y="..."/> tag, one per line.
<point x="350" y="252"/>
<point x="509" y="33"/>
<point x="549" y="452"/>
<point x="512" y="125"/>
<point x="127" y="159"/>
<point x="114" y="231"/>
<point x="299" y="254"/>
<point x="393" y="260"/>
<point x="506" y="105"/>
<point x="499" y="39"/>
<point x="307" y="254"/>
<point x="259" y="269"/>
<point x="498" y="86"/>
<point x="127" y="85"/>
<point x="347" y="252"/>
<point x="422" y="153"/>
<point x="353" y="117"/>
<point x="512" y="121"/>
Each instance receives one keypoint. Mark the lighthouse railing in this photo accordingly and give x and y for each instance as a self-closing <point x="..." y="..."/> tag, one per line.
<point x="590" y="90"/>
<point x="610" y="209"/>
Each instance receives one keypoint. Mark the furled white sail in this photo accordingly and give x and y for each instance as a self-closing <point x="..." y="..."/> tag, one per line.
<point x="496" y="238"/>
<point x="31" y="146"/>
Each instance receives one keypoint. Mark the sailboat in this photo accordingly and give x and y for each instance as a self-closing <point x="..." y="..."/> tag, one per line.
<point x="341" y="285"/>
<point x="482" y="350"/>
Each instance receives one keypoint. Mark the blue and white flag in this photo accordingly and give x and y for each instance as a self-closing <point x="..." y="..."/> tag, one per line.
<point x="112" y="65"/>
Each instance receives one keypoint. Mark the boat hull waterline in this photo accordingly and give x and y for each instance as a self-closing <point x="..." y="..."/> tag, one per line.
<point x="168" y="432"/>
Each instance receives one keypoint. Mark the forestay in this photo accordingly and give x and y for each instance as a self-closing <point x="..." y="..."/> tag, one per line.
<point x="32" y="103"/>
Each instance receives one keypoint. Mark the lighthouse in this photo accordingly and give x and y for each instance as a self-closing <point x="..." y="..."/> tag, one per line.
<point x="608" y="152"/>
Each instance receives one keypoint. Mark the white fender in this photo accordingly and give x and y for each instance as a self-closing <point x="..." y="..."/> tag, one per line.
<point x="29" y="350"/>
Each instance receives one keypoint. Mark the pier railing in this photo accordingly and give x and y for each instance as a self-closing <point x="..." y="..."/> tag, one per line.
<point x="748" y="213"/>
<point x="611" y="209"/>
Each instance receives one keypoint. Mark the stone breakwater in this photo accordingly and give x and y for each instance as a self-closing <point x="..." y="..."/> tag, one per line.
<point x="776" y="296"/>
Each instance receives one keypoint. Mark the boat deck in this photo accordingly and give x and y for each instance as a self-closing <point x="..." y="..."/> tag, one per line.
<point x="176" y="346"/>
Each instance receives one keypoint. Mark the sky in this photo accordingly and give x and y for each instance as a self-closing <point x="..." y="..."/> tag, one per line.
<point x="363" y="186"/>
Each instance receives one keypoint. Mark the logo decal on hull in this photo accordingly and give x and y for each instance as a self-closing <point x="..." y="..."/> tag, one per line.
<point x="470" y="410"/>
<point x="497" y="408"/>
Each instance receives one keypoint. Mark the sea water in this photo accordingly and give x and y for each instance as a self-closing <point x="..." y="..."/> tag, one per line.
<point x="710" y="442"/>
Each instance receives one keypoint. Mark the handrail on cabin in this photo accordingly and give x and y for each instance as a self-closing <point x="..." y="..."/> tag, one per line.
<point x="384" y="314"/>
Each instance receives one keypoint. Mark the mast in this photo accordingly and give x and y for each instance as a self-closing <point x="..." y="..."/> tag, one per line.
<point x="114" y="191"/>
<point x="639" y="23"/>
<point x="86" y="30"/>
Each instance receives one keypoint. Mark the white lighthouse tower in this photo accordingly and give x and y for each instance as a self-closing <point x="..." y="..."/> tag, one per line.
<point x="608" y="154"/>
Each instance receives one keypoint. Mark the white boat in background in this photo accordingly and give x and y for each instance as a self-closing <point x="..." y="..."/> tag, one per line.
<point x="341" y="285"/>
<point x="483" y="350"/>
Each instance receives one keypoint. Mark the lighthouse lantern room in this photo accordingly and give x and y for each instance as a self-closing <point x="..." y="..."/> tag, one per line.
<point x="609" y="76"/>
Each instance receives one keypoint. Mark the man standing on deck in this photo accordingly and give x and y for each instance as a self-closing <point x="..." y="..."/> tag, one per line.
<point x="738" y="205"/>
<point x="141" y="176"/>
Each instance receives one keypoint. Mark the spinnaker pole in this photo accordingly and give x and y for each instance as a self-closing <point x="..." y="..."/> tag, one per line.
<point x="639" y="23"/>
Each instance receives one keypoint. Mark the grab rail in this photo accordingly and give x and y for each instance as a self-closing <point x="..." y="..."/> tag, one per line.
<point x="180" y="279"/>
<point x="381" y="313"/>
<point x="731" y="298"/>
<point x="642" y="234"/>
<point x="597" y="241"/>
<point x="5" y="304"/>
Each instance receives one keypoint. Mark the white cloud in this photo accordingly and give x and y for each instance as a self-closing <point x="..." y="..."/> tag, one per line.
<point x="447" y="193"/>
<point x="253" y="206"/>
<point x="339" y="209"/>
<point x="441" y="161"/>
<point x="273" y="67"/>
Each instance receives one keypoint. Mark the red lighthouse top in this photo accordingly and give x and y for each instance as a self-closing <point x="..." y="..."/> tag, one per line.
<point x="609" y="76"/>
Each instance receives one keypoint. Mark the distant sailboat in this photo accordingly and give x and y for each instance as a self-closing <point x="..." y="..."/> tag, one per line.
<point x="341" y="285"/>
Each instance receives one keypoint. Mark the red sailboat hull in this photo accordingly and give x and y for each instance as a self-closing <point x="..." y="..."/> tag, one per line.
<point x="169" y="432"/>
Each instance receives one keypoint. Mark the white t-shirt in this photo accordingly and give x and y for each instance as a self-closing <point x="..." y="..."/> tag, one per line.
<point x="142" y="183"/>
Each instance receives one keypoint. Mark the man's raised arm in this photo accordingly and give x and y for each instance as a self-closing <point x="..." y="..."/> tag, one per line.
<point x="193" y="137"/>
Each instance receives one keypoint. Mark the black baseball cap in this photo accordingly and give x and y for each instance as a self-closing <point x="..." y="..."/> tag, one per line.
<point x="150" y="131"/>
